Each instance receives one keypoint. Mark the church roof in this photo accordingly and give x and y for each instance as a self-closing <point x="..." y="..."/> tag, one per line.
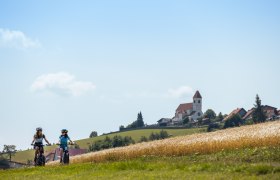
<point x="185" y="107"/>
<point x="197" y="95"/>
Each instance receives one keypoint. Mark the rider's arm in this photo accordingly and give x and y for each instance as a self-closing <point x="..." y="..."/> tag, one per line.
<point x="70" y="140"/>
<point x="46" y="140"/>
<point x="33" y="140"/>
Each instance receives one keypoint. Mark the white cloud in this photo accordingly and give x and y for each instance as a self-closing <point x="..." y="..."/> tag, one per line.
<point x="61" y="83"/>
<point x="179" y="92"/>
<point x="16" y="39"/>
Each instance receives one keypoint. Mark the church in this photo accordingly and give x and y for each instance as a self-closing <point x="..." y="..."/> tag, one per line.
<point x="192" y="110"/>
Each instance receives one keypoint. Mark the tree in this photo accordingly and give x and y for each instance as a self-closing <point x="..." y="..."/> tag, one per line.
<point x="210" y="114"/>
<point x="220" y="117"/>
<point x="140" y="121"/>
<point x="213" y="126"/>
<point x="10" y="150"/>
<point x="163" y="134"/>
<point x="4" y="164"/>
<point x="186" y="120"/>
<point x="93" y="134"/>
<point x="258" y="114"/>
<point x="143" y="139"/>
<point x="122" y="127"/>
<point x="233" y="121"/>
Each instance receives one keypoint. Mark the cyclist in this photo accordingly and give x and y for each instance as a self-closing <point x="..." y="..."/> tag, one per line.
<point x="63" y="142"/>
<point x="38" y="142"/>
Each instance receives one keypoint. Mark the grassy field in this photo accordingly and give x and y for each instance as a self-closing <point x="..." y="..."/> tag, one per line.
<point x="23" y="156"/>
<point x="248" y="163"/>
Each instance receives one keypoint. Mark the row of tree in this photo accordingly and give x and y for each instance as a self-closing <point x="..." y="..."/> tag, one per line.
<point x="155" y="136"/>
<point x="119" y="141"/>
<point x="107" y="143"/>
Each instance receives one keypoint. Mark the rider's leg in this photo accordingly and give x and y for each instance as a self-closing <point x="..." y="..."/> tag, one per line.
<point x="36" y="153"/>
<point x="61" y="152"/>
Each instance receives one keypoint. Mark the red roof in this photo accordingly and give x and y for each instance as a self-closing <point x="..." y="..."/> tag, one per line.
<point x="236" y="111"/>
<point x="184" y="107"/>
<point x="248" y="114"/>
<point x="266" y="108"/>
<point x="197" y="95"/>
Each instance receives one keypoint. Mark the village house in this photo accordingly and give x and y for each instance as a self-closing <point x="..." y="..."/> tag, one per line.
<point x="164" y="121"/>
<point x="270" y="112"/>
<point x="191" y="110"/>
<point x="238" y="111"/>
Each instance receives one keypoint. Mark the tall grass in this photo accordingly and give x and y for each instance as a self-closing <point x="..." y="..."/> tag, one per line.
<point x="260" y="135"/>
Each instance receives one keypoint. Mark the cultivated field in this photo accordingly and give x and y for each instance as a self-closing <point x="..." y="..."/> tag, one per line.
<point x="260" y="135"/>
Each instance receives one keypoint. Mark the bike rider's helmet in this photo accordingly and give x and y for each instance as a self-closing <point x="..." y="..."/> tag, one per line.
<point x="39" y="129"/>
<point x="64" y="131"/>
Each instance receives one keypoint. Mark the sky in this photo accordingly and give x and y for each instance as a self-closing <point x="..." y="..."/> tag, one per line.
<point x="93" y="65"/>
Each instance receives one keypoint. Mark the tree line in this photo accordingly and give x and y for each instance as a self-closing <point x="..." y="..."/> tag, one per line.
<point x="120" y="141"/>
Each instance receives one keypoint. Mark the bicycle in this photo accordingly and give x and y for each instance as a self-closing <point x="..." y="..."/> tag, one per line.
<point x="40" y="159"/>
<point x="65" y="155"/>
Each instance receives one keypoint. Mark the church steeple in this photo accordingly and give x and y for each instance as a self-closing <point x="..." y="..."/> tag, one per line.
<point x="197" y="104"/>
<point x="197" y="95"/>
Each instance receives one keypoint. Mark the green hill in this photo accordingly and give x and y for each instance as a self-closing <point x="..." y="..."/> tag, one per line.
<point x="23" y="156"/>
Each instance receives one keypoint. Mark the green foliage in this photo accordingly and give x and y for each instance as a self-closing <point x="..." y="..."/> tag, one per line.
<point x="258" y="114"/>
<point x="186" y="120"/>
<point x="144" y="139"/>
<point x="233" y="121"/>
<point x="139" y="123"/>
<point x="4" y="164"/>
<point x="219" y="118"/>
<point x="213" y="126"/>
<point x="140" y="120"/>
<point x="157" y="136"/>
<point x="116" y="141"/>
<point x="93" y="134"/>
<point x="10" y="150"/>
<point x="210" y="114"/>
<point x="121" y="127"/>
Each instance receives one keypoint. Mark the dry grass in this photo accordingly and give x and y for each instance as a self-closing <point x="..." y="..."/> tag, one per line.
<point x="260" y="135"/>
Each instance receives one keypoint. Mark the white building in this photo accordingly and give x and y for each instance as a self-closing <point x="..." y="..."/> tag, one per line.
<point x="192" y="110"/>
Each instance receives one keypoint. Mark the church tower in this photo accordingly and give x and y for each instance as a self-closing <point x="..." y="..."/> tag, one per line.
<point x="197" y="104"/>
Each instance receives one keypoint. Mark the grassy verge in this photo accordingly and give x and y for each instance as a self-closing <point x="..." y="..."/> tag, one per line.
<point x="249" y="163"/>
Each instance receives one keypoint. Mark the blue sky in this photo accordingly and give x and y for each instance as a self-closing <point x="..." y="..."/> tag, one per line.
<point x="93" y="65"/>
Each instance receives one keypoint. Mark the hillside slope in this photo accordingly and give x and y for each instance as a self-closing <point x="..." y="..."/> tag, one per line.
<point x="23" y="156"/>
<point x="260" y="135"/>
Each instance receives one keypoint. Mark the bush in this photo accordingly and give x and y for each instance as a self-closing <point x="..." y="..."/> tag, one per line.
<point x="106" y="143"/>
<point x="4" y="164"/>
<point x="93" y="134"/>
<point x="143" y="139"/>
<point x="157" y="136"/>
<point x="233" y="121"/>
<point x="213" y="126"/>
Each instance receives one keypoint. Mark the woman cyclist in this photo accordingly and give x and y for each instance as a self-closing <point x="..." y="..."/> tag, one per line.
<point x="38" y="142"/>
<point x="63" y="142"/>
